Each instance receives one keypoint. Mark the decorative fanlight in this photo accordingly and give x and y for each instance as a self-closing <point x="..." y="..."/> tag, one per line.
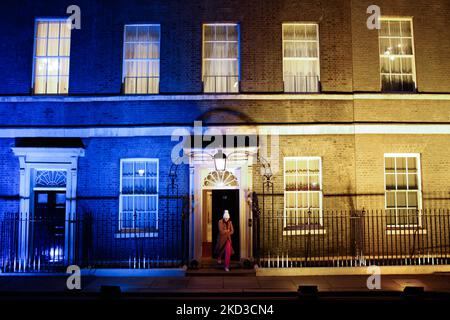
<point x="51" y="178"/>
<point x="220" y="179"/>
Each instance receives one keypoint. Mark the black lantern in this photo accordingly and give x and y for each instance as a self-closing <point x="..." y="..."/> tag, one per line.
<point x="220" y="161"/>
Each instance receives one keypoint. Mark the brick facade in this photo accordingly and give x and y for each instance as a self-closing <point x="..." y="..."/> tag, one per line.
<point x="352" y="162"/>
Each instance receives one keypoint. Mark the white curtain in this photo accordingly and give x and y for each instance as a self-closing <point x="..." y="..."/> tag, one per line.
<point x="301" y="67"/>
<point x="141" y="60"/>
<point x="220" y="58"/>
<point x="396" y="55"/>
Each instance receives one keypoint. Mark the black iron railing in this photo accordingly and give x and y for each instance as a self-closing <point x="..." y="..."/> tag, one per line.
<point x="347" y="239"/>
<point x="93" y="240"/>
<point x="221" y="84"/>
<point x="301" y="84"/>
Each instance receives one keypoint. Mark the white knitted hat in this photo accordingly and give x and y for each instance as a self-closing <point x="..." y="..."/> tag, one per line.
<point x="226" y="214"/>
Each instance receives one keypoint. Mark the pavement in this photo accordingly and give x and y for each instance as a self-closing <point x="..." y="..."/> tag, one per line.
<point x="439" y="282"/>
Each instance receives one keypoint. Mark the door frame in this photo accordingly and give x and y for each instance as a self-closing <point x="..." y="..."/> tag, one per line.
<point x="237" y="249"/>
<point x="199" y="167"/>
<point x="31" y="159"/>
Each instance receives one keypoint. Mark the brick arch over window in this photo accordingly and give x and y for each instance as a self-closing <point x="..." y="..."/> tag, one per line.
<point x="222" y="115"/>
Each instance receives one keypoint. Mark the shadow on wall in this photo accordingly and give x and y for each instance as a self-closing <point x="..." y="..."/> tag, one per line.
<point x="225" y="116"/>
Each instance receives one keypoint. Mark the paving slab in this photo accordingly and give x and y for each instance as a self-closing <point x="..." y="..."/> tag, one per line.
<point x="277" y="284"/>
<point x="205" y="283"/>
<point x="240" y="283"/>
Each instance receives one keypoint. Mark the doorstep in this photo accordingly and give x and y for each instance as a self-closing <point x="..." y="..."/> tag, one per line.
<point x="216" y="272"/>
<point x="153" y="273"/>
<point x="349" y="271"/>
<point x="163" y="272"/>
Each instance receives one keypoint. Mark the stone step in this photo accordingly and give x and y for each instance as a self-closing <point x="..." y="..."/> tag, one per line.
<point x="220" y="272"/>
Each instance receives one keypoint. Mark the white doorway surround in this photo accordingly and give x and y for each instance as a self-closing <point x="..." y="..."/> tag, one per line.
<point x="239" y="163"/>
<point x="31" y="160"/>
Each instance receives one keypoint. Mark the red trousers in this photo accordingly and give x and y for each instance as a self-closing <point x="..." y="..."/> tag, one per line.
<point x="227" y="253"/>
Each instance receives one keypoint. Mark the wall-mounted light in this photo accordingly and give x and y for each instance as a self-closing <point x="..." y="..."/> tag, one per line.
<point x="220" y="161"/>
<point x="141" y="172"/>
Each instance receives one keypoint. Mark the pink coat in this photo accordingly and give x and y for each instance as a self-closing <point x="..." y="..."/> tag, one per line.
<point x="225" y="231"/>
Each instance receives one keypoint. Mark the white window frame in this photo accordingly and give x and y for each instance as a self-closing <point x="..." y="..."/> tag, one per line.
<point x="320" y="191"/>
<point x="33" y="72"/>
<point x="413" y="66"/>
<point x="419" y="188"/>
<point x="302" y="58"/>
<point x="238" y="59"/>
<point x="122" y="232"/>
<point x="124" y="59"/>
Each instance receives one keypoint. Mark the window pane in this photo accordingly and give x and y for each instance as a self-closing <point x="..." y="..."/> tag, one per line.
<point x="406" y="28"/>
<point x="221" y="33"/>
<point x="385" y="46"/>
<point x="390" y="199"/>
<point x="314" y="200"/>
<point x="42" y="28"/>
<point x="209" y="33"/>
<point x="288" y="32"/>
<point x="64" y="48"/>
<point x="290" y="200"/>
<point x="130" y="33"/>
<point x="64" y="67"/>
<point x="41" y="47"/>
<point x="401" y="165"/>
<point x="395" y="65"/>
<point x="412" y="181"/>
<point x="314" y="183"/>
<point x="300" y="32"/>
<point x="412" y="200"/>
<point x="53" y="31"/>
<point x="311" y="32"/>
<point x="401" y="199"/>
<point x="52" y="85"/>
<point x="384" y="28"/>
<point x="412" y="165"/>
<point x="40" y="67"/>
<point x="390" y="182"/>
<point x="65" y="29"/>
<point x="53" y="48"/>
<point x="406" y="47"/>
<point x="389" y="164"/>
<point x="401" y="181"/>
<point x="53" y="66"/>
<point x="394" y="28"/>
<point x="63" y="84"/>
<point x="39" y="85"/>
<point x="143" y="33"/>
<point x="302" y="200"/>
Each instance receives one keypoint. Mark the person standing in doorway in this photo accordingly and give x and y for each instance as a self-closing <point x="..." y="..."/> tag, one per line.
<point x="224" y="244"/>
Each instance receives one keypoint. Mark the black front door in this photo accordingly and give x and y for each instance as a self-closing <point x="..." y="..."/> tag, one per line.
<point x="226" y="200"/>
<point x="48" y="226"/>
